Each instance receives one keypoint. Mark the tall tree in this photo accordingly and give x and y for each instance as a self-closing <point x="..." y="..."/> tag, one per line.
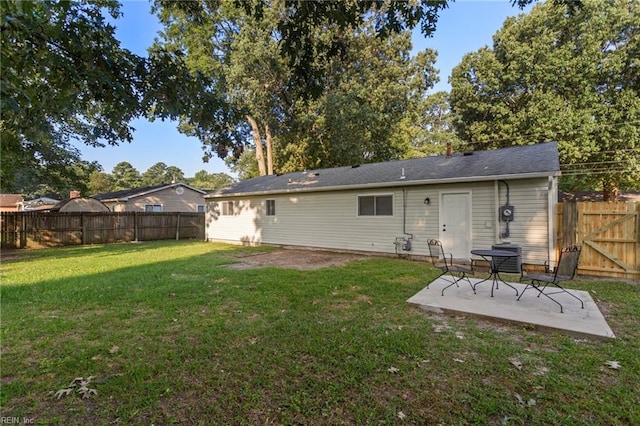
<point x="160" y="173"/>
<point x="99" y="182"/>
<point x="210" y="181"/>
<point x="239" y="55"/>
<point x="299" y="19"/>
<point x="65" y="77"/>
<point x="365" y="92"/>
<point x="430" y="127"/>
<point x="569" y="77"/>
<point x="368" y="93"/>
<point x="125" y="176"/>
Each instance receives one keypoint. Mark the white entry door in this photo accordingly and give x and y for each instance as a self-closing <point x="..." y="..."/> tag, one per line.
<point x="455" y="223"/>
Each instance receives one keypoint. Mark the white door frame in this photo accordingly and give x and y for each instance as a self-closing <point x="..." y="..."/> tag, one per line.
<point x="459" y="247"/>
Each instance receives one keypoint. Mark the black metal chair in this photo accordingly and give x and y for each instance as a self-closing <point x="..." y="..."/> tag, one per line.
<point x="565" y="271"/>
<point x="440" y="260"/>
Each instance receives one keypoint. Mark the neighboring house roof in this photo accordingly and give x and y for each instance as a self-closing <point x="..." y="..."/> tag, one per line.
<point x="41" y="203"/>
<point x="507" y="163"/>
<point x="79" y="205"/>
<point x="10" y="200"/>
<point x="623" y="196"/>
<point x="127" y="194"/>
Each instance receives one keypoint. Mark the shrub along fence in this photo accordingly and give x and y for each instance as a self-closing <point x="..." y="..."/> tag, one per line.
<point x="44" y="229"/>
<point x="609" y="234"/>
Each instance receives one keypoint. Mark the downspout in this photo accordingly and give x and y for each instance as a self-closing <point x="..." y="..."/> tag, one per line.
<point x="402" y="242"/>
<point x="553" y="217"/>
<point x="404" y="213"/>
<point x="505" y="234"/>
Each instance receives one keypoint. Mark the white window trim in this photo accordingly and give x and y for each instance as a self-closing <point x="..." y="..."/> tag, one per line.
<point x="266" y="207"/>
<point x="227" y="203"/>
<point x="387" y="194"/>
<point x="152" y="208"/>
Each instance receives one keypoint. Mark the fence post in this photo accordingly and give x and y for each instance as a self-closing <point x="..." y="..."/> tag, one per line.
<point x="569" y="222"/>
<point x="135" y="226"/>
<point x="23" y="231"/>
<point x="178" y="227"/>
<point x="83" y="228"/>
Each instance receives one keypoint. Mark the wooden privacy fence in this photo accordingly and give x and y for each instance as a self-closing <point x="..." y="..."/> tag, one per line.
<point x="609" y="234"/>
<point x="38" y="229"/>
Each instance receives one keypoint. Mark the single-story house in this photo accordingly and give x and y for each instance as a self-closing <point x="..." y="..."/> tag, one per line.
<point x="79" y="204"/>
<point x="40" y="203"/>
<point x="10" y="202"/>
<point x="173" y="197"/>
<point x="470" y="200"/>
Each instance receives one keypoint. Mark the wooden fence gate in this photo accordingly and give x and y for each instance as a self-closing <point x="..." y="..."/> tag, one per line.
<point x="609" y="236"/>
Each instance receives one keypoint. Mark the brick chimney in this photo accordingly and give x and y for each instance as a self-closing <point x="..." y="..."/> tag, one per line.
<point x="74" y="194"/>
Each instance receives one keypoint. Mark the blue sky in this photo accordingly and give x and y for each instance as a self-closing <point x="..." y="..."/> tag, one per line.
<point x="464" y="27"/>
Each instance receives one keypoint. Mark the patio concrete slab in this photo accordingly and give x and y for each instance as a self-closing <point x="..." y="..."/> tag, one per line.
<point x="539" y="312"/>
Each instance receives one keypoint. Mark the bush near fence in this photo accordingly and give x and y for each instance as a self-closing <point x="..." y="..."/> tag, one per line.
<point x="44" y="229"/>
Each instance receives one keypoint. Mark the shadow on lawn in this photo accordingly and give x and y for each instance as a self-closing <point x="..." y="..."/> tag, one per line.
<point x="173" y="336"/>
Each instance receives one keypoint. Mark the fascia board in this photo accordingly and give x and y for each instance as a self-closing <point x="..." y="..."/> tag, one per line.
<point x="395" y="184"/>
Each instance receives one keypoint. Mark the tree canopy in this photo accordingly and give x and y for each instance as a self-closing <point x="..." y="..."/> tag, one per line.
<point x="569" y="77"/>
<point x="66" y="78"/>
<point x="366" y="90"/>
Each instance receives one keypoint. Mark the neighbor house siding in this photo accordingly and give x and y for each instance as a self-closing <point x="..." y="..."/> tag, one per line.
<point x="170" y="201"/>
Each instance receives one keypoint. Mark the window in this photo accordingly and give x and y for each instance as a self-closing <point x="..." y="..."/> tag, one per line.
<point x="271" y="207"/>
<point x="375" y="205"/>
<point x="153" y="208"/>
<point x="227" y="208"/>
<point x="200" y="208"/>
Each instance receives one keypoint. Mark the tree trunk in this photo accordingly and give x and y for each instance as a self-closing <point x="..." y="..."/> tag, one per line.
<point x="609" y="191"/>
<point x="258" y="141"/>
<point x="267" y="133"/>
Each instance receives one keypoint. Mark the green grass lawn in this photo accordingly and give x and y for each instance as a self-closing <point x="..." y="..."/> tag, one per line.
<point x="172" y="336"/>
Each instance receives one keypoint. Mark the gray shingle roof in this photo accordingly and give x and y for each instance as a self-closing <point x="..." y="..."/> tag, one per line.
<point x="514" y="162"/>
<point x="125" y="194"/>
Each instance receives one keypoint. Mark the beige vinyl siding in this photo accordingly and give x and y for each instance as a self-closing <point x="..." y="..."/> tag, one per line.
<point x="322" y="219"/>
<point x="330" y="219"/>
<point x="170" y="201"/>
<point x="530" y="227"/>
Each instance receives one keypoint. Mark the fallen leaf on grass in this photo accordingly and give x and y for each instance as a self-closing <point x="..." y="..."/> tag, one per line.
<point x="516" y="363"/>
<point x="614" y="365"/>
<point x="393" y="370"/>
<point x="62" y="392"/>
<point x="401" y="415"/>
<point x="530" y="402"/>
<point x="81" y="386"/>
<point x="458" y="360"/>
<point x="114" y="349"/>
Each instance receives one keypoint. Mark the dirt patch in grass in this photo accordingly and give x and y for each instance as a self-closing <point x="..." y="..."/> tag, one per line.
<point x="296" y="259"/>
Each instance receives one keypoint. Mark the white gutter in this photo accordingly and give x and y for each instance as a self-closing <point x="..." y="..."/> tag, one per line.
<point x="384" y="185"/>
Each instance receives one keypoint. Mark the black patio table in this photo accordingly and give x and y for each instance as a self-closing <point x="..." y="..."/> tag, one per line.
<point x="495" y="258"/>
